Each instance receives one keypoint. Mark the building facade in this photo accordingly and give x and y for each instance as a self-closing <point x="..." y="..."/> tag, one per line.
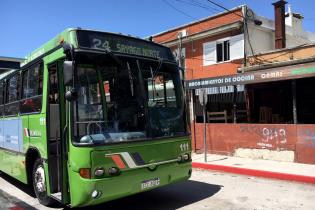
<point x="246" y="112"/>
<point x="8" y="63"/>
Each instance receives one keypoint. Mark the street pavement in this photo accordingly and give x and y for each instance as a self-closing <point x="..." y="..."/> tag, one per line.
<point x="290" y="171"/>
<point x="205" y="190"/>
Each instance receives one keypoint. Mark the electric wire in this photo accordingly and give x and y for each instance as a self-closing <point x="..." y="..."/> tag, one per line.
<point x="196" y="3"/>
<point x="249" y="15"/>
<point x="178" y="10"/>
<point x="224" y="8"/>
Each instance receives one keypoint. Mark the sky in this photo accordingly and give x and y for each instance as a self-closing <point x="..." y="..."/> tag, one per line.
<point x="25" y="25"/>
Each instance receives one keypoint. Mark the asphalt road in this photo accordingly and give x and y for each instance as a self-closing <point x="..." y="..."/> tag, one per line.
<point x="205" y="190"/>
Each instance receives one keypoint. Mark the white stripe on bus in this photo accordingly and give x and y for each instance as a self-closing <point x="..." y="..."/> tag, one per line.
<point x="128" y="159"/>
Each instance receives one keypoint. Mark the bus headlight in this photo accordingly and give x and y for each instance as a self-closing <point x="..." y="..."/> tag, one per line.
<point x="99" y="172"/>
<point x="96" y="194"/>
<point x="113" y="171"/>
<point x="185" y="157"/>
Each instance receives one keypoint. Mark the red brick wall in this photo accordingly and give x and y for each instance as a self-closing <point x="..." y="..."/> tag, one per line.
<point x="194" y="49"/>
<point x="225" y="138"/>
<point x="194" y="59"/>
<point x="194" y="28"/>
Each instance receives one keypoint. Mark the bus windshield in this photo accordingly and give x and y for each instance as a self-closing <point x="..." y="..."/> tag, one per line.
<point x="136" y="100"/>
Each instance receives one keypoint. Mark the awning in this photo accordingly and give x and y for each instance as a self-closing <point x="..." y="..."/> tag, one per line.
<point x="261" y="76"/>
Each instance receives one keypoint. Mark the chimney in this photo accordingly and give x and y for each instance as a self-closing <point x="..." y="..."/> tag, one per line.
<point x="294" y="20"/>
<point x="279" y="7"/>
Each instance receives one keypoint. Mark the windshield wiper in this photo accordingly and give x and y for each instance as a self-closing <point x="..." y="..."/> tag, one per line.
<point x="113" y="56"/>
<point x="143" y="99"/>
<point x="156" y="71"/>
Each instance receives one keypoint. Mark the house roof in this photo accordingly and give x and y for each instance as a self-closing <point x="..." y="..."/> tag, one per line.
<point x="200" y="20"/>
<point x="11" y="59"/>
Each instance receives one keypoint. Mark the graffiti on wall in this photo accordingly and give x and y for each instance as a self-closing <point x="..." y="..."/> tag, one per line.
<point x="267" y="137"/>
<point x="272" y="136"/>
<point x="307" y="136"/>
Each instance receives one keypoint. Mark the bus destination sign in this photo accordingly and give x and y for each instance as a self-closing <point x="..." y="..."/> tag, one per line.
<point x="122" y="44"/>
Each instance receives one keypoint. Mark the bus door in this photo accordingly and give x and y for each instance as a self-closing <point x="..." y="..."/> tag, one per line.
<point x="56" y="119"/>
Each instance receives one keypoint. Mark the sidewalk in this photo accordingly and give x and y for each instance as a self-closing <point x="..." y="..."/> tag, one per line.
<point x="256" y="167"/>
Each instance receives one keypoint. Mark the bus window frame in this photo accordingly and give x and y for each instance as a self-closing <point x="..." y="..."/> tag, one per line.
<point x="166" y="62"/>
<point x="5" y="92"/>
<point x="2" y="101"/>
<point x="18" y="89"/>
<point x="39" y="63"/>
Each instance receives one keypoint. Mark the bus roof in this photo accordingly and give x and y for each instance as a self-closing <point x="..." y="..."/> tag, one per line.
<point x="69" y="36"/>
<point x="48" y="46"/>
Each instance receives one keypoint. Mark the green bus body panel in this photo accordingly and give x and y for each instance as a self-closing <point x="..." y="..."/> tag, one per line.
<point x="125" y="184"/>
<point x="14" y="163"/>
<point x="130" y="179"/>
<point x="67" y="36"/>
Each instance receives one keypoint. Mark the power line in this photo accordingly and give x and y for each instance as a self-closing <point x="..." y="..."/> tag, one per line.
<point x="178" y="10"/>
<point x="222" y="7"/>
<point x="182" y="12"/>
<point x="196" y="3"/>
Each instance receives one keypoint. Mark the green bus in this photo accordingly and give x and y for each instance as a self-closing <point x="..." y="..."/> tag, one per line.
<point x="94" y="116"/>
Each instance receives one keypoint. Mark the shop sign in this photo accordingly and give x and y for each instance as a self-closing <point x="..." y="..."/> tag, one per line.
<point x="275" y="74"/>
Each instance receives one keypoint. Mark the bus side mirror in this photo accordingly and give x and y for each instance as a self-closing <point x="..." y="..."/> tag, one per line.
<point x="181" y="73"/>
<point x="68" y="72"/>
<point x="71" y="95"/>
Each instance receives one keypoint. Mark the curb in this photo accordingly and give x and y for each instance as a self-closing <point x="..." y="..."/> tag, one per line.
<point x="254" y="172"/>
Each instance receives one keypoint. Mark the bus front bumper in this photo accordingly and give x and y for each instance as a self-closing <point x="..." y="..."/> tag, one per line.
<point x="86" y="192"/>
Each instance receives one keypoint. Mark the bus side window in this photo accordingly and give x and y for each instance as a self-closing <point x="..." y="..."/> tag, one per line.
<point x="1" y="98"/>
<point x="54" y="109"/>
<point x="12" y="95"/>
<point x="53" y="85"/>
<point x="32" y="89"/>
<point x="161" y="91"/>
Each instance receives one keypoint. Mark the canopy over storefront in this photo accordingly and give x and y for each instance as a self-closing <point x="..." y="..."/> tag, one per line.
<point x="266" y="108"/>
<point x="260" y="76"/>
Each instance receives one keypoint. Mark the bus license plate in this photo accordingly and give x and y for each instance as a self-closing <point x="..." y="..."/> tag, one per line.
<point x="150" y="183"/>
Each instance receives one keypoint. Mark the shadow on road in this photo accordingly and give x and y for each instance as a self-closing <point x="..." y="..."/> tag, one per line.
<point x="10" y="202"/>
<point x="166" y="198"/>
<point x="169" y="197"/>
<point x="25" y="188"/>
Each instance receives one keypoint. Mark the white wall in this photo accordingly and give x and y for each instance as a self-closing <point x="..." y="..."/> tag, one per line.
<point x="262" y="37"/>
<point x="261" y="40"/>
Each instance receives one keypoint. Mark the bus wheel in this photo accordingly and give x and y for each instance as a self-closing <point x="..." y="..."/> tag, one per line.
<point x="39" y="184"/>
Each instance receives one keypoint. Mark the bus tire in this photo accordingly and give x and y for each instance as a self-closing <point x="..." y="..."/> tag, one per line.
<point x="39" y="183"/>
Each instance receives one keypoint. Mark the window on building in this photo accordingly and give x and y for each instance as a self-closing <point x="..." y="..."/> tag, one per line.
<point x="223" y="51"/>
<point x="217" y="51"/>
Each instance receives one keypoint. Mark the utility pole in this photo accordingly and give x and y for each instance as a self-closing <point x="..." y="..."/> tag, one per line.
<point x="179" y="54"/>
<point x="293" y="84"/>
<point x="203" y="99"/>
